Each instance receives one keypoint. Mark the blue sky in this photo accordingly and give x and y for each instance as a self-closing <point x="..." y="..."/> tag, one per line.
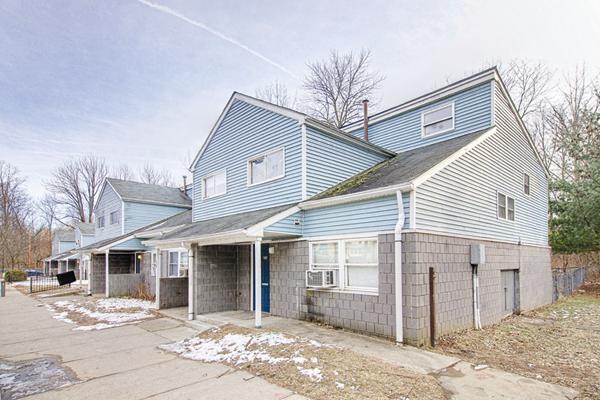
<point x="135" y="84"/>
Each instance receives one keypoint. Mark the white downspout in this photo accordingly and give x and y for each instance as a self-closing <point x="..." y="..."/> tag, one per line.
<point x="106" y="266"/>
<point x="158" y="274"/>
<point x="398" y="268"/>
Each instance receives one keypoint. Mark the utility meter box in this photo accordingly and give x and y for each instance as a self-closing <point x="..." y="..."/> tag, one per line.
<point x="477" y="254"/>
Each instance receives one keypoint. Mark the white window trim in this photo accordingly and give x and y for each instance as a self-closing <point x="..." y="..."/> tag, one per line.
<point x="179" y="268"/>
<point x="423" y="113"/>
<point x="117" y="218"/>
<point x="341" y="286"/>
<point x="256" y="157"/>
<point x="506" y="197"/>
<point x="203" y="188"/>
<point x="525" y="174"/>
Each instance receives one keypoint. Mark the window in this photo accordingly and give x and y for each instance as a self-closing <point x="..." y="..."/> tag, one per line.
<point x="178" y="261"/>
<point x="506" y="207"/>
<point x="115" y="217"/>
<point x="438" y="120"/>
<point x="101" y="221"/>
<point x="526" y="186"/>
<point x="215" y="184"/>
<point x="355" y="260"/>
<point x="266" y="167"/>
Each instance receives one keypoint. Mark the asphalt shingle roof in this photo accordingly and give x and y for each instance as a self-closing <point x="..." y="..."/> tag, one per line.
<point x="228" y="223"/>
<point x="86" y="228"/>
<point x="181" y="218"/>
<point x="137" y="191"/>
<point x="402" y="168"/>
<point x="65" y="235"/>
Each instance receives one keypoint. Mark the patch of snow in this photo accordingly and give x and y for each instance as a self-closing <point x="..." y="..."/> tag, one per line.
<point x="314" y="360"/>
<point x="480" y="367"/>
<point x="298" y="360"/>
<point x="115" y="303"/>
<point x="340" y="385"/>
<point x="313" y="373"/>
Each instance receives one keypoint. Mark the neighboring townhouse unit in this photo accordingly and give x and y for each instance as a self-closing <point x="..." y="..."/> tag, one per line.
<point x="127" y="212"/>
<point x="61" y="260"/>
<point x="440" y="216"/>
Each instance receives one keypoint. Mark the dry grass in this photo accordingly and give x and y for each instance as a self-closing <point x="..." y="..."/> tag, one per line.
<point x="345" y="374"/>
<point x="558" y="344"/>
<point x="141" y="292"/>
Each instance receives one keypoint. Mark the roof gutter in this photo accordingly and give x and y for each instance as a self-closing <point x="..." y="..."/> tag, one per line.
<point x="194" y="239"/>
<point x="352" y="197"/>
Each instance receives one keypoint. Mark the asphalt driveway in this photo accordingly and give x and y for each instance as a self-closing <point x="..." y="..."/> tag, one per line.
<point x="116" y="363"/>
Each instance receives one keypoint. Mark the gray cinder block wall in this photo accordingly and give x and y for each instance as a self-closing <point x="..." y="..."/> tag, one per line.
<point x="119" y="263"/>
<point x="173" y="292"/>
<point x="148" y="279"/>
<point x="123" y="284"/>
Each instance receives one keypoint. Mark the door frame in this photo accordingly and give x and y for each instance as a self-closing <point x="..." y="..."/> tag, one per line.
<point x="264" y="252"/>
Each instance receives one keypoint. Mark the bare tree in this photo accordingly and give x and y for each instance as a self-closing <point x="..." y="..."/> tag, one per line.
<point x="528" y="85"/>
<point x="337" y="86"/>
<point x="149" y="174"/>
<point x="124" y="172"/>
<point x="277" y="93"/>
<point x="75" y="187"/>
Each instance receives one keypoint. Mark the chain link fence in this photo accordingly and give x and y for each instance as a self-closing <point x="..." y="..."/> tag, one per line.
<point x="568" y="280"/>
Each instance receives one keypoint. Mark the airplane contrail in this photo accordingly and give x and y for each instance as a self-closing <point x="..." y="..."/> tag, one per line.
<point x="218" y="34"/>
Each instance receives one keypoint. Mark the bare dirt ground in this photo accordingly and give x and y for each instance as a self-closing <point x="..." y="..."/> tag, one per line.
<point x="558" y="344"/>
<point x="307" y="367"/>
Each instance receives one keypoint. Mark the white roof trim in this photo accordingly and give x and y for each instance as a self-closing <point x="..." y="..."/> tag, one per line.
<point x="352" y="197"/>
<point x="104" y="183"/>
<point x="436" y="95"/>
<point x="453" y="157"/>
<point x="159" y="203"/>
<point x="258" y="229"/>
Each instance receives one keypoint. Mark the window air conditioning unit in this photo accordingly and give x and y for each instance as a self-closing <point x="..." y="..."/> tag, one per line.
<point x="320" y="278"/>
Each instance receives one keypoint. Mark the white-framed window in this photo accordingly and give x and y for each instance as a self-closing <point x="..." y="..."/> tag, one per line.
<point x="153" y="263"/>
<point x="266" y="167"/>
<point x="437" y="120"/>
<point x="506" y="207"/>
<point x="214" y="184"/>
<point x="178" y="262"/>
<point x="355" y="260"/>
<point x="100" y="221"/>
<point x="526" y="184"/>
<point x="115" y="217"/>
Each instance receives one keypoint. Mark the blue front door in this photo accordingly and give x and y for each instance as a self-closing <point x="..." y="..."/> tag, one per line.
<point x="264" y="280"/>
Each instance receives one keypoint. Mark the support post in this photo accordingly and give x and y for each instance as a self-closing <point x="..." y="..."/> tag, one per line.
<point x="191" y="283"/>
<point x="106" y="266"/>
<point x="257" y="283"/>
<point x="399" y="326"/>
<point x="158" y="275"/>
<point x="90" y="273"/>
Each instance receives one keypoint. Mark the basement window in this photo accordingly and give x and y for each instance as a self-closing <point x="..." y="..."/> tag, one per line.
<point x="266" y="167"/>
<point x="437" y="120"/>
<point x="506" y="207"/>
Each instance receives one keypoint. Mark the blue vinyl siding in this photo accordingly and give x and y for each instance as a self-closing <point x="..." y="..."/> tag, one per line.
<point x="286" y="225"/>
<point x="248" y="131"/>
<point x="138" y="215"/>
<point x="374" y="215"/>
<point x="461" y="199"/>
<point x="132" y="244"/>
<point x="65" y="246"/>
<point x="472" y="112"/>
<point x="331" y="161"/>
<point x="108" y="203"/>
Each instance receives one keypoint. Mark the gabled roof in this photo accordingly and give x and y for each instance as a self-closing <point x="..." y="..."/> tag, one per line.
<point x="302" y="118"/>
<point x="146" y="193"/>
<point x="86" y="228"/>
<point x="65" y="235"/>
<point x="226" y="224"/>
<point x="408" y="167"/>
<point x="166" y="224"/>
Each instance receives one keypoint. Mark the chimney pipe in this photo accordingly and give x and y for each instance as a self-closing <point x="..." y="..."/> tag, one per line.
<point x="366" y="119"/>
<point x="184" y="183"/>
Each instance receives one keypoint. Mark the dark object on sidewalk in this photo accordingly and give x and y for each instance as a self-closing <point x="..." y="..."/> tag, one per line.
<point x="66" y="278"/>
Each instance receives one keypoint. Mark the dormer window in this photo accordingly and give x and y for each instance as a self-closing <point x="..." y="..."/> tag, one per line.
<point x="266" y="167"/>
<point x="214" y="184"/>
<point x="437" y="120"/>
<point x="115" y="217"/>
<point x="101" y="221"/>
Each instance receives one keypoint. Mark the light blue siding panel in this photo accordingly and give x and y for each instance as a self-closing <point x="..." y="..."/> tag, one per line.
<point x="472" y="111"/>
<point x="108" y="203"/>
<point x="132" y="244"/>
<point x="138" y="215"/>
<point x="331" y="161"/>
<point x="65" y="246"/>
<point x="247" y="131"/>
<point x="461" y="199"/>
<point x="86" y="239"/>
<point x="287" y="225"/>
<point x="374" y="215"/>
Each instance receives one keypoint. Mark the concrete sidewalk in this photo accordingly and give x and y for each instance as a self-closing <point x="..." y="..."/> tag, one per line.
<point x="122" y="362"/>
<point x="459" y="378"/>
